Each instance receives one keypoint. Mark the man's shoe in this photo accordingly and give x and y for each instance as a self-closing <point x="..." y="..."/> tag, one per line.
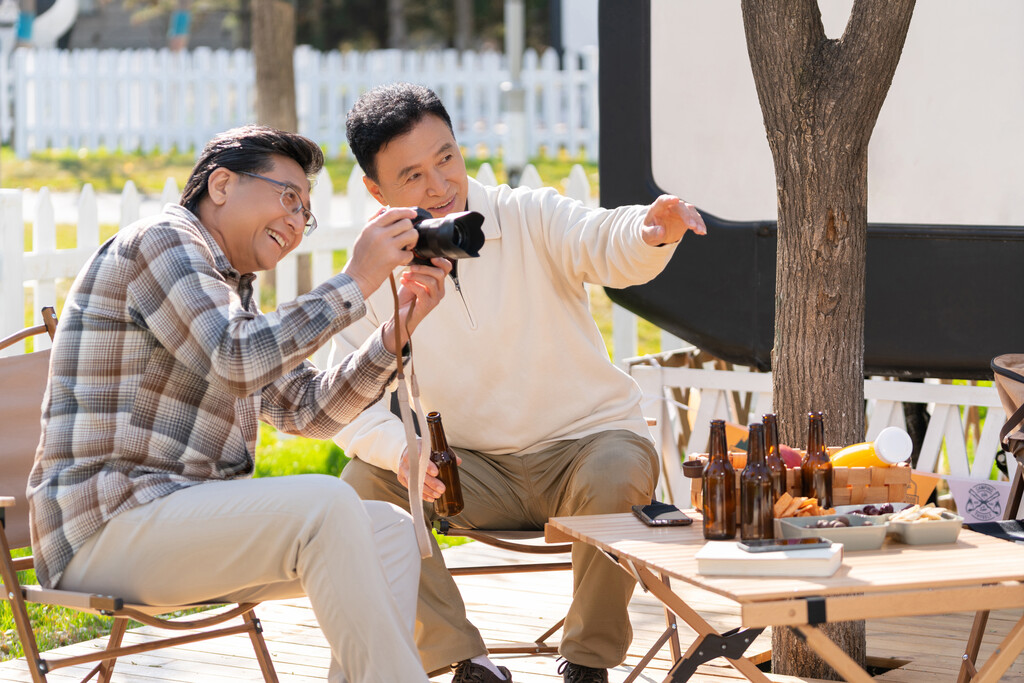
<point x="577" y="673"/>
<point x="468" y="672"/>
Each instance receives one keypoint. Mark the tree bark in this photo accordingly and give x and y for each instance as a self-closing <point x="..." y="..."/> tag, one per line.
<point x="820" y="99"/>
<point x="398" y="37"/>
<point x="273" y="47"/>
<point x="273" y="50"/>
<point x="463" y="24"/>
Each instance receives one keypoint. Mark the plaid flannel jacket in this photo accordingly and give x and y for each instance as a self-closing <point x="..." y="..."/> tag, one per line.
<point x="161" y="366"/>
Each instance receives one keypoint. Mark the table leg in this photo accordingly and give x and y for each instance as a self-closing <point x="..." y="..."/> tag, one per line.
<point x="696" y="622"/>
<point x="973" y="644"/>
<point x="670" y="623"/>
<point x="1002" y="658"/>
<point x="834" y="655"/>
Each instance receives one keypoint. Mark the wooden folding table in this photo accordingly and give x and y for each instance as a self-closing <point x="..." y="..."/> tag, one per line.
<point x="975" y="573"/>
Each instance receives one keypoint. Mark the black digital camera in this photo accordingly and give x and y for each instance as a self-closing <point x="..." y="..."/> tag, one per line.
<point x="455" y="236"/>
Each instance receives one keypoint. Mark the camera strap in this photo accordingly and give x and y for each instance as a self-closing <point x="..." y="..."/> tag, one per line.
<point x="407" y="391"/>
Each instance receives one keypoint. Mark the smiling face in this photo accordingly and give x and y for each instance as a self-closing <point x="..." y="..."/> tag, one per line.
<point x="423" y="168"/>
<point x="246" y="218"/>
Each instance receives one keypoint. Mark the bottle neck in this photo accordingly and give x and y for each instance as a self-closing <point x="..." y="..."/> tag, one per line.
<point x="755" y="449"/>
<point x="771" y="436"/>
<point x="438" y="441"/>
<point x="816" y="436"/>
<point x="717" y="447"/>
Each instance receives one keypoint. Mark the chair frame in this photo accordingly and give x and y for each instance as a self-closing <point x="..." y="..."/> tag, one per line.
<point x="968" y="670"/>
<point x="19" y="595"/>
<point x="513" y="540"/>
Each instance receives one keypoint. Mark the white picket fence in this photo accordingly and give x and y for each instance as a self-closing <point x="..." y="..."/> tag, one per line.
<point x="40" y="270"/>
<point x="158" y="99"/>
<point x="719" y="393"/>
<point x="713" y="393"/>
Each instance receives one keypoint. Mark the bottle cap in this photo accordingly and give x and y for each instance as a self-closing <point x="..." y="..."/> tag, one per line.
<point x="893" y="445"/>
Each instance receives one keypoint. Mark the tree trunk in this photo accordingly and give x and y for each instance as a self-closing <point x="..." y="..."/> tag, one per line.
<point x="820" y="99"/>
<point x="273" y="48"/>
<point x="397" y="34"/>
<point x="463" y="24"/>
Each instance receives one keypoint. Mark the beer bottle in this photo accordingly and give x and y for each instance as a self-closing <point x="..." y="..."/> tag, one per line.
<point x="719" y="488"/>
<point x="450" y="502"/>
<point x="756" y="515"/>
<point x="772" y="456"/>
<point x="816" y="468"/>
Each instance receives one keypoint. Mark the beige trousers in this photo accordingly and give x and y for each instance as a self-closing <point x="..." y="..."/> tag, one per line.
<point x="265" y="539"/>
<point x="602" y="473"/>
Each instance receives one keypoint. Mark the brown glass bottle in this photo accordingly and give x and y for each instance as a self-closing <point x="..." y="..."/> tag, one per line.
<point x="816" y="468"/>
<point x="719" y="488"/>
<point x="772" y="457"/>
<point x="450" y="502"/>
<point x="757" y="519"/>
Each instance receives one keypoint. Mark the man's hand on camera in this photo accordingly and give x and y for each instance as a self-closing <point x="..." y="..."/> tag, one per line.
<point x="432" y="486"/>
<point x="425" y="286"/>
<point x="668" y="219"/>
<point x="383" y="245"/>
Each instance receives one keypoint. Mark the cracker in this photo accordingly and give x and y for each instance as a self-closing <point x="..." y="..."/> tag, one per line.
<point x="792" y="507"/>
<point x="781" y="504"/>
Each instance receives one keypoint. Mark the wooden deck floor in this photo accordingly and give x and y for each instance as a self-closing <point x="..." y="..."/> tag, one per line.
<point x="517" y="607"/>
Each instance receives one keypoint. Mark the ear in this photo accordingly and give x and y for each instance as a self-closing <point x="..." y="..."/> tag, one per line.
<point x="374" y="189"/>
<point x="219" y="184"/>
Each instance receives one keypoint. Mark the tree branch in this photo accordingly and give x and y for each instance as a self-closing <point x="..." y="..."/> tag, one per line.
<point x="782" y="38"/>
<point x="869" y="52"/>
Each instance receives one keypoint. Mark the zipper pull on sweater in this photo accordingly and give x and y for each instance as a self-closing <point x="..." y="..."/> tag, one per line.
<point x="454" y="275"/>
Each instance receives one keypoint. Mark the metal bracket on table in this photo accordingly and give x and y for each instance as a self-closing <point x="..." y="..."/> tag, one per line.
<point x="615" y="560"/>
<point x="731" y="645"/>
<point x="636" y="575"/>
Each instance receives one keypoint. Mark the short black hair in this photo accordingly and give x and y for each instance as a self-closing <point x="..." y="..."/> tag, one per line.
<point x="386" y="112"/>
<point x="249" y="149"/>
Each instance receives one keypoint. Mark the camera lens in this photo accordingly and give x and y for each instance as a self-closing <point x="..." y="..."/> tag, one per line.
<point x="455" y="236"/>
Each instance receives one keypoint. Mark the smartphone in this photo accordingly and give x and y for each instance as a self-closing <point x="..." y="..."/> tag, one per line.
<point x="768" y="545"/>
<point x="661" y="514"/>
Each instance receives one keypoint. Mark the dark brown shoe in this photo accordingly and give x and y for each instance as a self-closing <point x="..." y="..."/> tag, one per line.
<point x="468" y="672"/>
<point x="577" y="673"/>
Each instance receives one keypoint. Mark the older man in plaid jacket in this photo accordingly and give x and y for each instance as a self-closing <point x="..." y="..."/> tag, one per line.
<point x="161" y="366"/>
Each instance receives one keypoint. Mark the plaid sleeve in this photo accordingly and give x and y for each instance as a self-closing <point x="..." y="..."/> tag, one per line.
<point x="318" y="404"/>
<point x="188" y="306"/>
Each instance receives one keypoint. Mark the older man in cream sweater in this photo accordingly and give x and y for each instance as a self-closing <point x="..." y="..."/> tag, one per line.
<point x="544" y="424"/>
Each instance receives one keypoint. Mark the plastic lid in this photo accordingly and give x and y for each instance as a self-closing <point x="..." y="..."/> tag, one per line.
<point x="893" y="445"/>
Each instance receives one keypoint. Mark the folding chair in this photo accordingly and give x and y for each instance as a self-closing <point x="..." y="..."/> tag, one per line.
<point x="519" y="541"/>
<point x="516" y="541"/>
<point x="1008" y="371"/>
<point x="20" y="413"/>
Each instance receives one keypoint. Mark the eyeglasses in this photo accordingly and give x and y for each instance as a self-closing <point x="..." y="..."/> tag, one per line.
<point x="290" y="201"/>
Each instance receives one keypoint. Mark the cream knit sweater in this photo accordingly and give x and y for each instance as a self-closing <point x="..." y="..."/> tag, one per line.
<point x="516" y="362"/>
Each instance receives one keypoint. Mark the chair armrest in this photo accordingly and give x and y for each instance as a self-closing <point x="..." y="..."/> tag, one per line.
<point x="72" y="599"/>
<point x="6" y="501"/>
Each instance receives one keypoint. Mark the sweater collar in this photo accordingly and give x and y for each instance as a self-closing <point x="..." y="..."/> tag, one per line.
<point x="477" y="201"/>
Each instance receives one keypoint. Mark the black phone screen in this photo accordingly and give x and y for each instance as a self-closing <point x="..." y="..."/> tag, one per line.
<point x="661" y="514"/>
<point x="770" y="544"/>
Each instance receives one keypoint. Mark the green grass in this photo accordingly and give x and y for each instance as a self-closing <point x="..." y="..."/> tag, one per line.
<point x="68" y="170"/>
<point x="55" y="627"/>
<point x="279" y="454"/>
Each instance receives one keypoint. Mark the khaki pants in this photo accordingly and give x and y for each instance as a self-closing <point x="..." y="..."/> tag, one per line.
<point x="265" y="539"/>
<point x="602" y="473"/>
